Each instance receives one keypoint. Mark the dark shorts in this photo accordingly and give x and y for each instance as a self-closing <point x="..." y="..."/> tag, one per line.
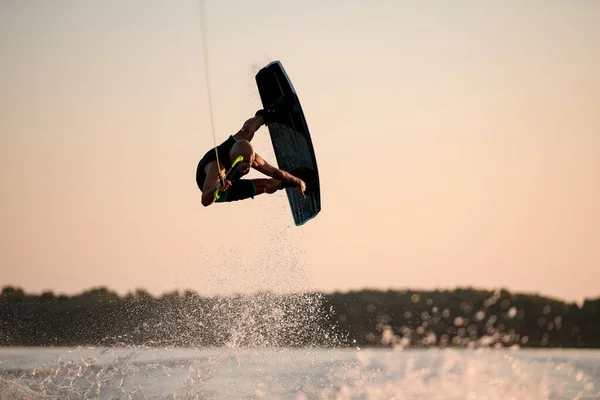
<point x="239" y="190"/>
<point x="209" y="157"/>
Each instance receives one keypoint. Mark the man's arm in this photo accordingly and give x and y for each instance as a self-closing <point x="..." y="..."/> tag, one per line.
<point x="263" y="166"/>
<point x="212" y="183"/>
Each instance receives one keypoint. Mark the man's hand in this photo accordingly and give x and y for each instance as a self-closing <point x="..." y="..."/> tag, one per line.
<point x="220" y="188"/>
<point x="301" y="188"/>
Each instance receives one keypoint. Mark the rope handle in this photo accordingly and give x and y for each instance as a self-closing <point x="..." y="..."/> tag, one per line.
<point x="228" y="175"/>
<point x="208" y="91"/>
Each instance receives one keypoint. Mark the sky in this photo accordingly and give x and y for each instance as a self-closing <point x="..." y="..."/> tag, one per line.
<point x="458" y="145"/>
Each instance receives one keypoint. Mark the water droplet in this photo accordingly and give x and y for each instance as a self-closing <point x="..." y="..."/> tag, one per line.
<point x="546" y="310"/>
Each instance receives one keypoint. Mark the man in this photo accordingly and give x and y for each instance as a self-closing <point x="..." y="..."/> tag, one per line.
<point x="209" y="175"/>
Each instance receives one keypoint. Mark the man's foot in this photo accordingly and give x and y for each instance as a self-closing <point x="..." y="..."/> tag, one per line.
<point x="276" y="111"/>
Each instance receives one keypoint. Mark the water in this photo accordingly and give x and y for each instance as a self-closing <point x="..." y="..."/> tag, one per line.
<point x="307" y="373"/>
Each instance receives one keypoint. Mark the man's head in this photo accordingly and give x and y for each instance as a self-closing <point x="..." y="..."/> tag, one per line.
<point x="242" y="148"/>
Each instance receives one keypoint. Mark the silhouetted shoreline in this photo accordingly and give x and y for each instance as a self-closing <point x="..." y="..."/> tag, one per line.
<point x="461" y="317"/>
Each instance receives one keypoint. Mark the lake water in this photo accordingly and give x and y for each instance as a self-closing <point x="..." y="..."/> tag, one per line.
<point x="263" y="373"/>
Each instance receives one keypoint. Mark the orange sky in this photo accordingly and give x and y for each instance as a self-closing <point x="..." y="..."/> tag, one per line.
<point x="458" y="145"/>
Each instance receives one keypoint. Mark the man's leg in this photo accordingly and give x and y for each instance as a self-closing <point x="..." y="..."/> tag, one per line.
<point x="264" y="116"/>
<point x="249" y="128"/>
<point x="248" y="188"/>
<point x="269" y="186"/>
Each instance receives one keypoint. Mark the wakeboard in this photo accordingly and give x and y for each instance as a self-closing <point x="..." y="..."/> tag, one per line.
<point x="291" y="141"/>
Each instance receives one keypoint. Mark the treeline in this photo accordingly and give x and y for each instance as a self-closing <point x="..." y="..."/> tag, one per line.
<point x="461" y="317"/>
